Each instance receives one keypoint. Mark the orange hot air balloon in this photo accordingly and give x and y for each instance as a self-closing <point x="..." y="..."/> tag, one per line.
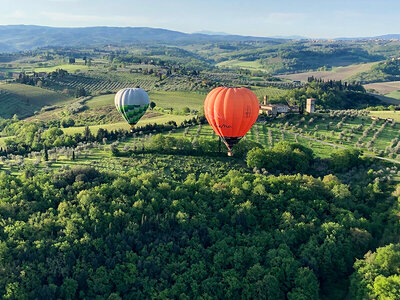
<point x="231" y="112"/>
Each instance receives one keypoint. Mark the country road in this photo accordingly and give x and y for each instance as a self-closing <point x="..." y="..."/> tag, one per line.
<point x="339" y="146"/>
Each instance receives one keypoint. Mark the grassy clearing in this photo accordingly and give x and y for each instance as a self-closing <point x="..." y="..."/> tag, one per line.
<point x="70" y="68"/>
<point x="395" y="115"/>
<point x="101" y="101"/>
<point x="337" y="73"/>
<point x="395" y="94"/>
<point x="251" y="65"/>
<point x="177" y="100"/>
<point x="123" y="125"/>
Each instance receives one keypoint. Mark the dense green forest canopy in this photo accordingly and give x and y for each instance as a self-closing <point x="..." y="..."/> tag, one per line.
<point x="222" y="232"/>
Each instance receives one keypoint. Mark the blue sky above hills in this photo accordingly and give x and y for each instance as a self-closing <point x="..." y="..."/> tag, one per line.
<point x="315" y="19"/>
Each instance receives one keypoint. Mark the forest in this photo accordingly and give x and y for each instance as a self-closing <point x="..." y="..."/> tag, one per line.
<point x="223" y="232"/>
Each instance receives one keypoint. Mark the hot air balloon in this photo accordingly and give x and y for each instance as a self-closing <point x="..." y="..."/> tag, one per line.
<point x="132" y="104"/>
<point x="231" y="112"/>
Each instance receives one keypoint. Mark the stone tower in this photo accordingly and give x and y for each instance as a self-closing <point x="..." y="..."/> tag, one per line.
<point x="310" y="107"/>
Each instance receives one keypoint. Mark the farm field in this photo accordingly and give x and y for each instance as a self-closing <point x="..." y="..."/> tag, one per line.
<point x="258" y="133"/>
<point x="251" y="65"/>
<point x="271" y="92"/>
<point x="177" y="100"/>
<point x="384" y="88"/>
<point x="395" y="94"/>
<point x="100" y="101"/>
<point x="24" y="100"/>
<point x="98" y="84"/>
<point x="71" y="68"/>
<point x="23" y="66"/>
<point x="374" y="137"/>
<point x="337" y="73"/>
<point x="34" y="95"/>
<point x="395" y="115"/>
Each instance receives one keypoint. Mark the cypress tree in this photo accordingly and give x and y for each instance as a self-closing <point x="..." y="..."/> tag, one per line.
<point x="46" y="154"/>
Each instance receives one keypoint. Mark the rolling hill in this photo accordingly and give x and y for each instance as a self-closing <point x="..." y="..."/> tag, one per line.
<point x="23" y="100"/>
<point x="26" y="37"/>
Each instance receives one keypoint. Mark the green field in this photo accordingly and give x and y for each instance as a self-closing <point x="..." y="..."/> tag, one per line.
<point x="71" y="68"/>
<point x="251" y="65"/>
<point x="271" y="92"/>
<point x="100" y="101"/>
<point x="163" y="99"/>
<point x="395" y="115"/>
<point x="395" y="94"/>
<point x="24" y="100"/>
<point x="35" y="95"/>
<point x="32" y="67"/>
<point x="177" y="100"/>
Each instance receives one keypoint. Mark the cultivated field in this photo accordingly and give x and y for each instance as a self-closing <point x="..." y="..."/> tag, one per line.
<point x="395" y="115"/>
<point x="251" y="65"/>
<point x="271" y="92"/>
<point x="384" y="88"/>
<point x="337" y="73"/>
<point x="177" y="100"/>
<point x="24" y="100"/>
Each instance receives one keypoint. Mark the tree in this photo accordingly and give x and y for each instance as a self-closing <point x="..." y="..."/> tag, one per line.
<point x="345" y="159"/>
<point x="81" y="92"/>
<point x="87" y="134"/>
<point x="46" y="154"/>
<point x="68" y="288"/>
<point x="152" y="104"/>
<point x="377" y="275"/>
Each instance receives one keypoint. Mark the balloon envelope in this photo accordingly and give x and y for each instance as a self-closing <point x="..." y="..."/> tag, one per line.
<point x="132" y="104"/>
<point x="231" y="112"/>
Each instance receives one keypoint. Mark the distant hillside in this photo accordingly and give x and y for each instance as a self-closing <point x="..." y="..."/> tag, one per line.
<point x="23" y="100"/>
<point x="388" y="70"/>
<point x="380" y="37"/>
<point x="26" y="37"/>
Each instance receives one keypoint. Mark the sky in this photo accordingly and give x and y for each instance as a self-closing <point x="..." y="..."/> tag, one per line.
<point x="309" y="18"/>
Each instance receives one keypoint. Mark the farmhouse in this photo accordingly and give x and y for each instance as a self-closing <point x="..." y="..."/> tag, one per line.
<point x="275" y="109"/>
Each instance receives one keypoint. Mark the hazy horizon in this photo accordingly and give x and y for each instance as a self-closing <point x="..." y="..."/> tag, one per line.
<point x="310" y="18"/>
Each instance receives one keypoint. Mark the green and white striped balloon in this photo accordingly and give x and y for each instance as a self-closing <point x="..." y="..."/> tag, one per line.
<point x="132" y="104"/>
